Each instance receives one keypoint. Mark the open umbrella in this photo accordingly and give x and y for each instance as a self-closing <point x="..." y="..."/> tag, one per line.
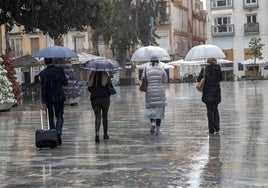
<point x="183" y="62"/>
<point x="101" y="64"/>
<point x="161" y="64"/>
<point x="84" y="57"/>
<point x="145" y="54"/>
<point x="56" y="52"/>
<point x="203" y="52"/>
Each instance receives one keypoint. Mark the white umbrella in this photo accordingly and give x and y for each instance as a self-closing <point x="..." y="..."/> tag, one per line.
<point x="251" y="61"/>
<point x="145" y="54"/>
<point x="84" y="57"/>
<point x="223" y="61"/>
<point x="161" y="64"/>
<point x="183" y="62"/>
<point x="203" y="52"/>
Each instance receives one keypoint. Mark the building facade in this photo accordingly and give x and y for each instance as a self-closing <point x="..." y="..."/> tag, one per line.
<point x="184" y="27"/>
<point x="231" y="24"/>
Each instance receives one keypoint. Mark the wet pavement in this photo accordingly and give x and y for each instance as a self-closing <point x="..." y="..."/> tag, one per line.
<point x="183" y="156"/>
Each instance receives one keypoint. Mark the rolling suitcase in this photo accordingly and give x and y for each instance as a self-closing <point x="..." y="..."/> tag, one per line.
<point x="46" y="138"/>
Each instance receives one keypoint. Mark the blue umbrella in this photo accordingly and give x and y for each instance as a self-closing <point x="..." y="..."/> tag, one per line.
<point x="102" y="64"/>
<point x="56" y="52"/>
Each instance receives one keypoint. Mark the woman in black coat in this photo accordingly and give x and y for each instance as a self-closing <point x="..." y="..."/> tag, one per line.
<point x="212" y="93"/>
<point x="100" y="101"/>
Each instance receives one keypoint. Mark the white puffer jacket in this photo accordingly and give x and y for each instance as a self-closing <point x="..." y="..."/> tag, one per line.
<point x="155" y="95"/>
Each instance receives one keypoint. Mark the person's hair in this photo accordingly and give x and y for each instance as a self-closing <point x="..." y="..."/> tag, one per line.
<point x="48" y="61"/>
<point x="154" y="60"/>
<point x="100" y="77"/>
<point x="212" y="60"/>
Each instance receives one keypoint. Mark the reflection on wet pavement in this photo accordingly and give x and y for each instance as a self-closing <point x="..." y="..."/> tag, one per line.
<point x="183" y="156"/>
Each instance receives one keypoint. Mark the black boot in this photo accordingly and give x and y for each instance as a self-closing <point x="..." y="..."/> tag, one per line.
<point x="105" y="137"/>
<point x="59" y="139"/>
<point x="97" y="138"/>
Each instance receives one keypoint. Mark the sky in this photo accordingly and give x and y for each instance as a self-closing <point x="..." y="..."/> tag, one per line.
<point x="204" y="3"/>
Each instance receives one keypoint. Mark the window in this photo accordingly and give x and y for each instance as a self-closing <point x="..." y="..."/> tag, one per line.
<point x="79" y="44"/>
<point x="251" y="4"/>
<point x="222" y="23"/>
<point x="251" y="19"/>
<point x="15" y="44"/>
<point x="240" y="67"/>
<point x="34" y="45"/>
<point x="251" y="1"/>
<point x="221" y="3"/>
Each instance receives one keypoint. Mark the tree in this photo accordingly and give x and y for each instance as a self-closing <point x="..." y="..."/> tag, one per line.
<point x="255" y="50"/>
<point x="125" y="24"/>
<point x="52" y="17"/>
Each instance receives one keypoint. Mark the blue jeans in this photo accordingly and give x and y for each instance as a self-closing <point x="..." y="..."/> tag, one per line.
<point x="57" y="110"/>
<point x="101" y="111"/>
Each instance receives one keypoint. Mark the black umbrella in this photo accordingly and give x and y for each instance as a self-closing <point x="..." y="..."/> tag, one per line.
<point x="102" y="64"/>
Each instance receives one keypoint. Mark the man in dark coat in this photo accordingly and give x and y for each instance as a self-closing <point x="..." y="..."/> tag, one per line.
<point x="52" y="80"/>
<point x="212" y="93"/>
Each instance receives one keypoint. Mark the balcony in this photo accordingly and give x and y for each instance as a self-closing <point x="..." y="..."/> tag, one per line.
<point x="251" y="28"/>
<point x="250" y="5"/>
<point x="222" y="30"/>
<point x="221" y="4"/>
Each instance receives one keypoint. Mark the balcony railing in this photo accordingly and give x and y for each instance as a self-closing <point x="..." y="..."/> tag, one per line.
<point x="251" y="5"/>
<point x="222" y="30"/>
<point x="251" y="28"/>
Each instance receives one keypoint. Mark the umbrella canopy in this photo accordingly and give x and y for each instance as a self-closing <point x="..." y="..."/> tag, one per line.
<point x="25" y="61"/>
<point x="56" y="52"/>
<point x="203" y="52"/>
<point x="223" y="61"/>
<point x="145" y="54"/>
<point x="102" y="64"/>
<point x="183" y="62"/>
<point x="84" y="57"/>
<point x="251" y="61"/>
<point x="161" y="64"/>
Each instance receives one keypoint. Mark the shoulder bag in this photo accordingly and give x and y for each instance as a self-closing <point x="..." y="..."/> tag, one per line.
<point x="200" y="85"/>
<point x="112" y="90"/>
<point x="144" y="82"/>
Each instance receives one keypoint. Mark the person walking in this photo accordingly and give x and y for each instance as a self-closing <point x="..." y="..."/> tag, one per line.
<point x="100" y="101"/>
<point x="212" y="93"/>
<point x="52" y="80"/>
<point x="155" y="96"/>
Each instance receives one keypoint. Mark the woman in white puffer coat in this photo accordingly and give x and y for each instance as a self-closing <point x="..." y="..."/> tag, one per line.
<point x="155" y="97"/>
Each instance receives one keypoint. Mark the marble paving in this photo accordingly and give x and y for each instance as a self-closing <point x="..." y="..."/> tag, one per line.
<point x="183" y="156"/>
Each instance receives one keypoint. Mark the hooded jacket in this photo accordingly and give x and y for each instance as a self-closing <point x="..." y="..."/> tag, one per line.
<point x="155" y="95"/>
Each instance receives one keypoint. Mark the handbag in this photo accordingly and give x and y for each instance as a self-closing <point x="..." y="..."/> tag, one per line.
<point x="144" y="82"/>
<point x="200" y="85"/>
<point x="112" y="90"/>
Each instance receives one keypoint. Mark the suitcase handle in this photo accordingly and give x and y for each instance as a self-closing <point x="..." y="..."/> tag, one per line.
<point x="42" y="122"/>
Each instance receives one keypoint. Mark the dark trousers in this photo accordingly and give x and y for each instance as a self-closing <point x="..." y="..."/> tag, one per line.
<point x="213" y="118"/>
<point x="101" y="111"/>
<point x="57" y="110"/>
<point x="157" y="122"/>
